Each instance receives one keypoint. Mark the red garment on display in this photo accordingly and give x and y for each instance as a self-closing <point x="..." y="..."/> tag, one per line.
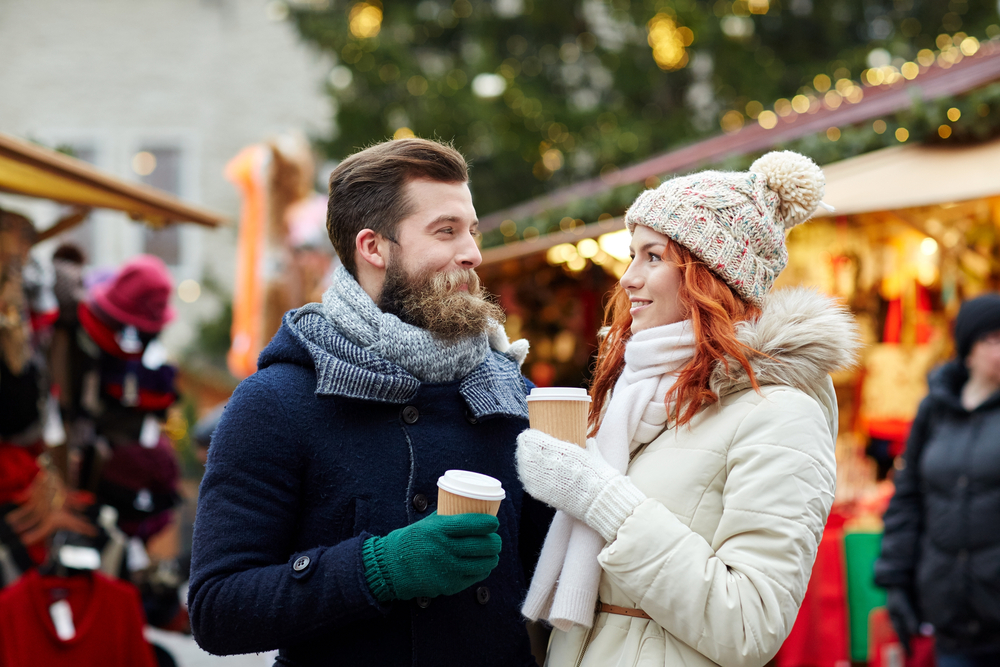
<point x="922" y="328"/>
<point x="101" y="334"/>
<point x="896" y="431"/>
<point x="819" y="636"/>
<point x="44" y="320"/>
<point x="893" y="322"/>
<point x="147" y="400"/>
<point x="107" y="616"/>
<point x="17" y="470"/>
<point x="925" y="330"/>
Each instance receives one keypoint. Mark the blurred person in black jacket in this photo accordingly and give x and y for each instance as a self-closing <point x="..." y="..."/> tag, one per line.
<point x="940" y="560"/>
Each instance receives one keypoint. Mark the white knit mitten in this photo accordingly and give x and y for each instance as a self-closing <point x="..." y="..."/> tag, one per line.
<point x="577" y="481"/>
<point x="517" y="350"/>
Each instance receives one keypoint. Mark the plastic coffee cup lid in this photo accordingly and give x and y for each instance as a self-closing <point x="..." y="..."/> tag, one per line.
<point x="558" y="394"/>
<point x="471" y="485"/>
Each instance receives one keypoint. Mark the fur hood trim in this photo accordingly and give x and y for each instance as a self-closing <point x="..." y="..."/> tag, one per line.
<point x="802" y="336"/>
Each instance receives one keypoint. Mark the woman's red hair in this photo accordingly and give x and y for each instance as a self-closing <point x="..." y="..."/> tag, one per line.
<point x="714" y="310"/>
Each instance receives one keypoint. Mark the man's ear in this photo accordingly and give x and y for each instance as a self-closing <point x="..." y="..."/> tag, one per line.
<point x="372" y="248"/>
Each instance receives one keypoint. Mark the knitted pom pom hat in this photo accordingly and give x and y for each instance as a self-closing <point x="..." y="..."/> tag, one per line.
<point x="735" y="222"/>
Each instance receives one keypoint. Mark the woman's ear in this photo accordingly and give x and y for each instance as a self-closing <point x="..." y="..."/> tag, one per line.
<point x="372" y="248"/>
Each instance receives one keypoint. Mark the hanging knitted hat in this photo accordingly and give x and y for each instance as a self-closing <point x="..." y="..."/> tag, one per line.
<point x="735" y="222"/>
<point x="138" y="295"/>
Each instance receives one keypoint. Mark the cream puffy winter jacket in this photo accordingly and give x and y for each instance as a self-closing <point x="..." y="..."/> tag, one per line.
<point x="720" y="553"/>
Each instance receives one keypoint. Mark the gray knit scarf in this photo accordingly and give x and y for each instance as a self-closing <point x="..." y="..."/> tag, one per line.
<point x="429" y="359"/>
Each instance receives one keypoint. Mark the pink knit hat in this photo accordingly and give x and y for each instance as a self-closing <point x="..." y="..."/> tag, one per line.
<point x="138" y="295"/>
<point x="735" y="222"/>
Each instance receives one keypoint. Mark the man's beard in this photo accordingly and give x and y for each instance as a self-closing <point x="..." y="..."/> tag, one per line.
<point x="436" y="302"/>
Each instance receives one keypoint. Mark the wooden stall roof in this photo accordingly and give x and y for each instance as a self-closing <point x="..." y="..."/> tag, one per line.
<point x="889" y="179"/>
<point x="932" y="83"/>
<point x="34" y="171"/>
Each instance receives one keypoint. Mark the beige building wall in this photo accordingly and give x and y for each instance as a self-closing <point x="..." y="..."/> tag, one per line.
<point x="193" y="81"/>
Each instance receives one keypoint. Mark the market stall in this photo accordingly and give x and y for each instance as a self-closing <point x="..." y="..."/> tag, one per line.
<point x="33" y="171"/>
<point x="88" y="468"/>
<point x="915" y="234"/>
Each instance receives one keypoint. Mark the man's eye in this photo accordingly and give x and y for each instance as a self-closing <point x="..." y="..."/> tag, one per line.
<point x="476" y="233"/>
<point x="446" y="230"/>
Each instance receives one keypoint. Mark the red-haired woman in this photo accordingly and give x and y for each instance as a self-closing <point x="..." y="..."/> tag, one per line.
<point x="691" y="521"/>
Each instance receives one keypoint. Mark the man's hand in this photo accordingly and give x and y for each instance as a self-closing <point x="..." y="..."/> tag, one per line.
<point x="438" y="555"/>
<point x="45" y="508"/>
<point x="576" y="480"/>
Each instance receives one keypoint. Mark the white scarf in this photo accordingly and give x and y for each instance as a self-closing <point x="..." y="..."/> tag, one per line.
<point x="564" y="587"/>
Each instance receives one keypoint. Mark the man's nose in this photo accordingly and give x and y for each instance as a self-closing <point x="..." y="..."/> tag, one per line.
<point x="469" y="255"/>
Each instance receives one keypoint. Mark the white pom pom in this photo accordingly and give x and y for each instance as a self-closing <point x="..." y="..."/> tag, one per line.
<point x="796" y="179"/>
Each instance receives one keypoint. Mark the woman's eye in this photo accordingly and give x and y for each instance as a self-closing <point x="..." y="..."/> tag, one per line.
<point x="654" y="257"/>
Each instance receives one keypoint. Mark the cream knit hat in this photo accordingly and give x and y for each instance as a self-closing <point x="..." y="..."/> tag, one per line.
<point x="736" y="221"/>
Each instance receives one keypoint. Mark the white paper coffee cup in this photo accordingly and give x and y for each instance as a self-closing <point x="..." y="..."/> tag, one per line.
<point x="464" y="491"/>
<point x="561" y="412"/>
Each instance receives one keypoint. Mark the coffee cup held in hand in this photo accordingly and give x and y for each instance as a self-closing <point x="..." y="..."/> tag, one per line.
<point x="462" y="492"/>
<point x="561" y="412"/>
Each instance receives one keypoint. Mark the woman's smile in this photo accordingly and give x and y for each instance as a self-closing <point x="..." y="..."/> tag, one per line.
<point x="639" y="305"/>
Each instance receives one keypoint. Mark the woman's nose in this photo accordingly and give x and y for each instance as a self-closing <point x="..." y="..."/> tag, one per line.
<point x="631" y="278"/>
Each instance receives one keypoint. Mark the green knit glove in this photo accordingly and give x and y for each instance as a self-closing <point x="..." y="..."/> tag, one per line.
<point x="438" y="555"/>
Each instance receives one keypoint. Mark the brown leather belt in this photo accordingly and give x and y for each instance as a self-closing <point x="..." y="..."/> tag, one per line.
<point x="603" y="608"/>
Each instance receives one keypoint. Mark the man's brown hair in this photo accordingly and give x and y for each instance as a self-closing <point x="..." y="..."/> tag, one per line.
<point x="366" y="189"/>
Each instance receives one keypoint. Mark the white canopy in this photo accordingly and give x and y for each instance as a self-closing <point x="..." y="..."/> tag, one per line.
<point x="913" y="175"/>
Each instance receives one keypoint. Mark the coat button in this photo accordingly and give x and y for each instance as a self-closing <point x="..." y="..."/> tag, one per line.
<point x="420" y="502"/>
<point x="410" y="414"/>
<point x="471" y="418"/>
<point x="962" y="482"/>
<point x="482" y="595"/>
<point x="301" y="563"/>
<point x="963" y="555"/>
<point x="423" y="602"/>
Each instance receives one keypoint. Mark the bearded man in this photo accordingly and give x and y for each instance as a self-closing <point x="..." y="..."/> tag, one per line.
<point x="317" y="532"/>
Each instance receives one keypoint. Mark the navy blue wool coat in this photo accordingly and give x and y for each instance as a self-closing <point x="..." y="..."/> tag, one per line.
<point x="324" y="446"/>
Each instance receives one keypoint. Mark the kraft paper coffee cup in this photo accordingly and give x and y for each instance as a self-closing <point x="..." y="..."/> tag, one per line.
<point x="561" y="412"/>
<point x="463" y="492"/>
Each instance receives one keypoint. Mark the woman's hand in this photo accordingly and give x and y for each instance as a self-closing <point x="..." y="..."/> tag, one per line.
<point x="576" y="480"/>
